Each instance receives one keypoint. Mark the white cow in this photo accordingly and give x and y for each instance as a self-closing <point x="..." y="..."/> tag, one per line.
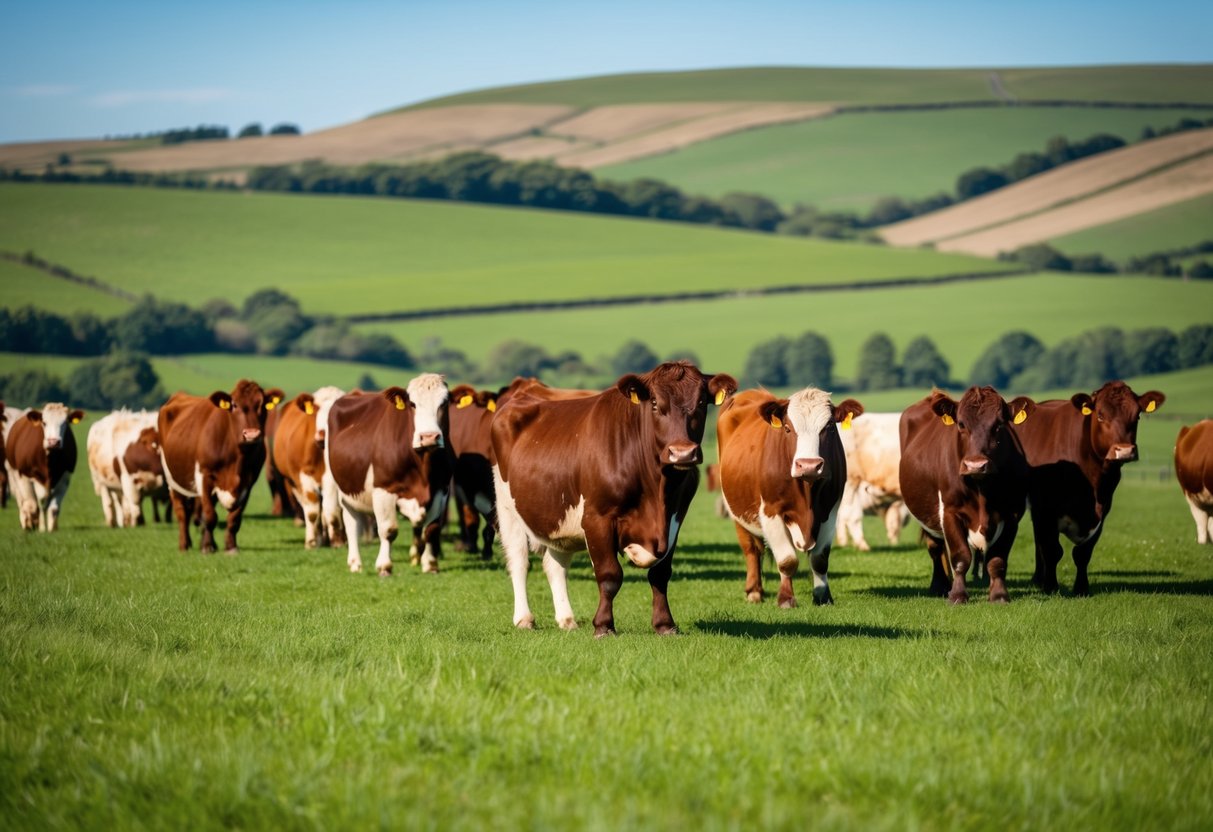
<point x="124" y="461"/>
<point x="873" y="449"/>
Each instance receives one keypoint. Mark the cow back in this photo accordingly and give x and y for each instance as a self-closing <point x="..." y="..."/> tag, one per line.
<point x="1194" y="460"/>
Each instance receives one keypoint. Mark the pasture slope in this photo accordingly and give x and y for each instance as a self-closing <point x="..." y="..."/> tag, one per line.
<point x="1173" y="227"/>
<point x="274" y="689"/>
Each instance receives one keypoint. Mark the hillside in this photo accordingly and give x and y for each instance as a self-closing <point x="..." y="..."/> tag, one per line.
<point x="1173" y="227"/>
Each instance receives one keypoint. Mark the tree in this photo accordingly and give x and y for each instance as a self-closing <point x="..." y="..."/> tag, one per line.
<point x="117" y="380"/>
<point x="809" y="360"/>
<point x="752" y="211"/>
<point x="284" y="129"/>
<point x="514" y="358"/>
<point x="683" y="355"/>
<point x="367" y="383"/>
<point x="765" y="364"/>
<point x="923" y="366"/>
<point x="1151" y="350"/>
<point x="878" y="368"/>
<point x="978" y="181"/>
<point x="32" y="388"/>
<point x="1042" y="257"/>
<point x="889" y="209"/>
<point x="163" y="328"/>
<point x="1006" y="358"/>
<point x="1196" y="346"/>
<point x="263" y="300"/>
<point x="1199" y="269"/>
<point x="1027" y="164"/>
<point x="633" y="357"/>
<point x="250" y="130"/>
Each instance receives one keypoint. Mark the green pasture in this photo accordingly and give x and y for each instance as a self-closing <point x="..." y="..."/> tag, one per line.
<point x="849" y="161"/>
<point x="344" y="256"/>
<point x="22" y="285"/>
<point x="1172" y="227"/>
<point x="1122" y="83"/>
<point x="142" y="688"/>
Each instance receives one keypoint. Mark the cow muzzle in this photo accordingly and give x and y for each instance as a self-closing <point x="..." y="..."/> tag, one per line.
<point x="427" y="441"/>
<point x="975" y="466"/>
<point x="319" y="439"/>
<point x="810" y="468"/>
<point x="683" y="455"/>
<point x="1122" y="452"/>
<point x="51" y="443"/>
<point x="250" y="435"/>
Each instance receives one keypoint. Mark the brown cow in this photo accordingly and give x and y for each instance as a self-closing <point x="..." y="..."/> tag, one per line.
<point x="299" y="460"/>
<point x="1076" y="448"/>
<point x="212" y="450"/>
<point x="282" y="500"/>
<point x="609" y="472"/>
<point x="782" y="473"/>
<point x="472" y="445"/>
<point x="3" y="457"/>
<point x="389" y="452"/>
<point x="965" y="479"/>
<point x="41" y="454"/>
<point x="1194" y="470"/>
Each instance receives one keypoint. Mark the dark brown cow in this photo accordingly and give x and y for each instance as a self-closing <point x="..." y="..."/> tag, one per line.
<point x="299" y="460"/>
<point x="782" y="473"/>
<point x="389" y="452"/>
<point x="282" y="500"/>
<point x="965" y="479"/>
<point x="471" y="443"/>
<point x="1076" y="448"/>
<point x="41" y="454"/>
<point x="213" y="450"/>
<point x="1194" y="470"/>
<point x="609" y="472"/>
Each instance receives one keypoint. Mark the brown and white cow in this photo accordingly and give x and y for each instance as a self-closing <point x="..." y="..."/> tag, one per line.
<point x="1194" y="470"/>
<point x="964" y="477"/>
<point x="1076" y="448"/>
<point x="212" y="450"/>
<point x="388" y="452"/>
<point x="124" y="461"/>
<point x="299" y="459"/>
<point x="472" y="445"/>
<point x="609" y="472"/>
<point x="3" y="456"/>
<point x="282" y="499"/>
<point x="873" y="450"/>
<point x="782" y="472"/>
<point x="41" y="455"/>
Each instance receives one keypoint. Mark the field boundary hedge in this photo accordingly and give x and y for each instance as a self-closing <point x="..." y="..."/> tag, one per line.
<point x="64" y="273"/>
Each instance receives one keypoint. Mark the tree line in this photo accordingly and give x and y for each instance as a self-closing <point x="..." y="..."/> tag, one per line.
<point x="207" y="132"/>
<point x="1043" y="257"/>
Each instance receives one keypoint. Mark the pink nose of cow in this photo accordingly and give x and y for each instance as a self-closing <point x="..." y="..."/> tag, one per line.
<point x="250" y="435"/>
<point x="808" y="468"/>
<point x="52" y="442"/>
<point x="975" y="466"/>
<point x="429" y="440"/>
<point x="320" y="438"/>
<point x="680" y="454"/>
<point x="1123" y="452"/>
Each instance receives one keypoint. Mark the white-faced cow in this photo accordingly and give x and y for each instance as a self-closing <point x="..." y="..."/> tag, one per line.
<point x="608" y="472"/>
<point x="1194" y="470"/>
<point x="124" y="461"/>
<point x="1076" y="448"/>
<point x="965" y="479"/>
<point x="873" y="449"/>
<point x="41" y="454"/>
<point x="388" y="452"/>
<point x="212" y="450"/>
<point x="299" y="459"/>
<point x="782" y="472"/>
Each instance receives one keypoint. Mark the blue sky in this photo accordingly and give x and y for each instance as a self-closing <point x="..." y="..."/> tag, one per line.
<point x="75" y="69"/>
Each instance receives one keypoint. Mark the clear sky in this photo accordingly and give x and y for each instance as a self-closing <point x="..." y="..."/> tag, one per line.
<point x="76" y="69"/>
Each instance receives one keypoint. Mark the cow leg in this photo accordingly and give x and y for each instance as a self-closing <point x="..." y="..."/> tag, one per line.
<point x="311" y="517"/>
<point x="183" y="508"/>
<point x="470" y="528"/>
<point x="941" y="579"/>
<point x="516" y="544"/>
<point x="210" y="517"/>
<point x="893" y="521"/>
<point x="330" y="509"/>
<point x="235" y="516"/>
<point x="752" y="549"/>
<point x="432" y="535"/>
<point x="354" y="522"/>
<point x="415" y="546"/>
<point x="556" y="567"/>
<point x="1048" y="550"/>
<point x="659" y="582"/>
<point x="787" y="559"/>
<point x="1082" y="559"/>
<point x="603" y="547"/>
<point x="55" y="501"/>
<point x="490" y="530"/>
<point x="107" y="503"/>
<point x="960" y="556"/>
<point x="383" y="502"/>
<point x="1202" y="519"/>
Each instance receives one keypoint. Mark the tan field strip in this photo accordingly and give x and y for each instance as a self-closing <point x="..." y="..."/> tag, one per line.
<point x="1182" y="182"/>
<point x="1040" y="192"/>
<point x="37" y="154"/>
<point x="536" y="147"/>
<point x="614" y="122"/>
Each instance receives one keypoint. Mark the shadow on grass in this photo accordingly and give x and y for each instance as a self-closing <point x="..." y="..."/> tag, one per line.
<point x="800" y="629"/>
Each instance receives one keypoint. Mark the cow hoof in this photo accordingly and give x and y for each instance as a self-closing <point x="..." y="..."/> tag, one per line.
<point x="208" y="550"/>
<point x="311" y="544"/>
<point x="791" y="603"/>
<point x="460" y="546"/>
<point x="355" y="567"/>
<point x="667" y="630"/>
<point x="863" y="547"/>
<point x="385" y="572"/>
<point x="754" y="597"/>
<point x="958" y="597"/>
<point x="415" y="560"/>
<point x="527" y="622"/>
<point x="231" y="552"/>
<point x="999" y="598"/>
<point x="430" y="568"/>
<point x="822" y="597"/>
<point x="604" y="632"/>
<point x="569" y="623"/>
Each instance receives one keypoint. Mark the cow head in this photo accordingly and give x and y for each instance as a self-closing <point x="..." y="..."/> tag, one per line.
<point x="982" y="422"/>
<point x="811" y="416"/>
<point x="427" y="397"/>
<point x="54" y="419"/>
<point x="319" y="404"/>
<point x="247" y="405"/>
<point x="1111" y="415"/>
<point x="149" y="442"/>
<point x="675" y="396"/>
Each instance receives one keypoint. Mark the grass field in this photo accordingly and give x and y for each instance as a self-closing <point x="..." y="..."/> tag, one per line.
<point x="351" y="255"/>
<point x="1172" y="227"/>
<point x="849" y="161"/>
<point x="1186" y="83"/>
<point x="22" y="285"/>
<point x="142" y="688"/>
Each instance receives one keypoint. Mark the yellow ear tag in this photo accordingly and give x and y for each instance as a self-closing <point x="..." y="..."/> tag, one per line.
<point x="308" y="408"/>
<point x="1150" y="407"/>
<point x="491" y="407"/>
<point x="846" y="423"/>
<point x="719" y="397"/>
<point x="632" y="395"/>
<point x="948" y="420"/>
<point x="225" y="404"/>
<point x="270" y="404"/>
<point x="465" y="401"/>
<point x="1020" y="417"/>
<point x="1086" y="411"/>
<point x="776" y="422"/>
<point x="77" y="421"/>
<point x="399" y="403"/>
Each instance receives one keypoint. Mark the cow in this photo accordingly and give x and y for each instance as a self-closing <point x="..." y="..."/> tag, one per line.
<point x="282" y="499"/>
<point x="212" y="450"/>
<point x="3" y="457"/>
<point x="964" y="478"/>
<point x="40" y="452"/>
<point x="1076" y="448"/>
<point x="607" y="472"/>
<point x="471" y="444"/>
<point x="873" y="450"/>
<point x="1194" y="470"/>
<point x="299" y="460"/>
<point x="388" y="451"/>
<point x="124" y="460"/>
<point x="782" y="473"/>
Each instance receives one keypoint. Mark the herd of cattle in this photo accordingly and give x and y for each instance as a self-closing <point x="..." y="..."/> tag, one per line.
<point x="556" y="471"/>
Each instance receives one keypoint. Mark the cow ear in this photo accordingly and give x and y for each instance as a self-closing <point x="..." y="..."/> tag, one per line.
<point x="398" y="396"/>
<point x="487" y="399"/>
<point x="272" y="397"/>
<point x="632" y="387"/>
<point x="463" y="396"/>
<point x="1021" y="408"/>
<point x="845" y="412"/>
<point x="721" y="386"/>
<point x="305" y="402"/>
<point x="1151" y="401"/>
<point x="1083" y="402"/>
<point x="76" y="417"/>
<point x="774" y="413"/>
<point x="221" y="400"/>
<point x="943" y="406"/>
<point x="34" y="416"/>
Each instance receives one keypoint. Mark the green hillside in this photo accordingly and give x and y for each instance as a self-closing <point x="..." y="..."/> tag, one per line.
<point x="22" y="285"/>
<point x="361" y="255"/>
<point x="1172" y="227"/>
<point x="848" y="161"/>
